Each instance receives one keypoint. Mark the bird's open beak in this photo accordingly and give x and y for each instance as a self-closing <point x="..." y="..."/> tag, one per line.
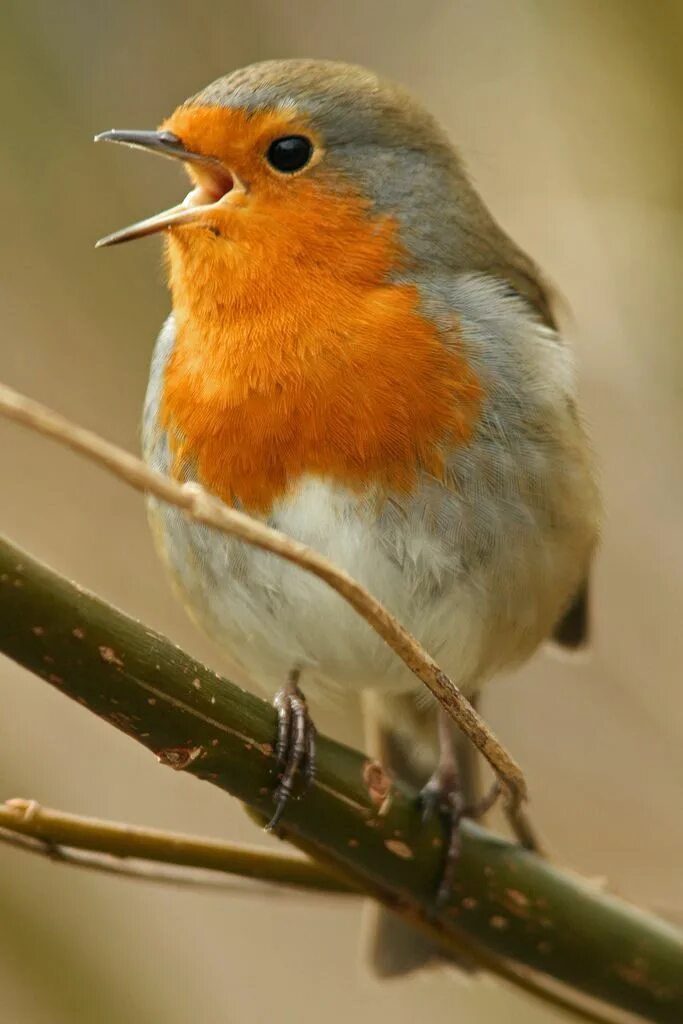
<point x="214" y="182"/>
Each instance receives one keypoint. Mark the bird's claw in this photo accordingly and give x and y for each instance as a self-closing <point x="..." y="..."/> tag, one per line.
<point x="442" y="795"/>
<point x="294" y="748"/>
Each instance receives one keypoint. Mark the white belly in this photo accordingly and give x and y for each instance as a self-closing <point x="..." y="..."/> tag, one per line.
<point x="476" y="602"/>
<point x="270" y="616"/>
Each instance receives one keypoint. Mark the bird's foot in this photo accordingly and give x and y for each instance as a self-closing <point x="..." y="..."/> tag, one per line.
<point x="443" y="795"/>
<point x="295" y="747"/>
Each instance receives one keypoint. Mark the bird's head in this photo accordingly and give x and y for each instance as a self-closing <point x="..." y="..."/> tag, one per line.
<point x="303" y="147"/>
<point x="310" y="165"/>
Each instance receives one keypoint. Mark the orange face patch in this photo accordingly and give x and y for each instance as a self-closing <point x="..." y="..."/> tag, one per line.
<point x="293" y="354"/>
<point x="240" y="140"/>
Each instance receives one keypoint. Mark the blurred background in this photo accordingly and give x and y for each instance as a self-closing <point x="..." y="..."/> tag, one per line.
<point x="567" y="113"/>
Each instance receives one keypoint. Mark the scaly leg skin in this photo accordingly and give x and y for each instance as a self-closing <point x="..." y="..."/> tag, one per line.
<point x="469" y="761"/>
<point x="295" y="747"/>
<point x="444" y="794"/>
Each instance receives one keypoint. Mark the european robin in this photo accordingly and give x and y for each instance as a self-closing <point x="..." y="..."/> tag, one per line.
<point x="360" y="356"/>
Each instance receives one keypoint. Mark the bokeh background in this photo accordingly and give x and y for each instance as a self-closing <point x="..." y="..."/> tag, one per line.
<point x="568" y="115"/>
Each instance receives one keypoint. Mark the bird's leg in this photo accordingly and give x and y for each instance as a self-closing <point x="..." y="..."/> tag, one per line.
<point x="295" y="746"/>
<point x="478" y="801"/>
<point x="469" y="762"/>
<point x="445" y="793"/>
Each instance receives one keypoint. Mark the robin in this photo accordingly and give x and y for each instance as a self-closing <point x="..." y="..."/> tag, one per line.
<point x="360" y="356"/>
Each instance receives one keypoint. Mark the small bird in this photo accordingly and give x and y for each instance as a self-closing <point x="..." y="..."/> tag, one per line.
<point x="359" y="356"/>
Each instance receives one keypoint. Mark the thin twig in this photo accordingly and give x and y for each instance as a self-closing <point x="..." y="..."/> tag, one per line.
<point x="103" y="845"/>
<point x="204" y="508"/>
<point x="103" y="863"/>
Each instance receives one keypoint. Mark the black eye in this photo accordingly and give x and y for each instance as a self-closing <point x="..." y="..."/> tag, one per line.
<point x="290" y="153"/>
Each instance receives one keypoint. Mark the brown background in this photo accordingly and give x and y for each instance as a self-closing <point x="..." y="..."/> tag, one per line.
<point x="568" y="114"/>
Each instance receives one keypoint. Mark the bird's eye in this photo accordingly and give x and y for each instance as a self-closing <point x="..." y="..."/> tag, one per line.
<point x="290" y="153"/>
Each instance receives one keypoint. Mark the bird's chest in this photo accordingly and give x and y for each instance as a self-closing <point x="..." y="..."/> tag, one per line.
<point x="364" y="395"/>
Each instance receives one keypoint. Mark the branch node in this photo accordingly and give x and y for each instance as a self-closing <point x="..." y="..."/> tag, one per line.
<point x="179" y="758"/>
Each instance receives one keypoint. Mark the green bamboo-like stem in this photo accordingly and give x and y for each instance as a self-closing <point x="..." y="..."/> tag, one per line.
<point x="505" y="903"/>
<point x="57" y="829"/>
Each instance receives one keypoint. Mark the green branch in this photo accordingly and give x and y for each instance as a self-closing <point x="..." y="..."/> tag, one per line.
<point x="64" y="837"/>
<point x="514" y="911"/>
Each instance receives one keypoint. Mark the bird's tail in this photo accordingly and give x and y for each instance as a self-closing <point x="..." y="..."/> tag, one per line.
<point x="401" y="732"/>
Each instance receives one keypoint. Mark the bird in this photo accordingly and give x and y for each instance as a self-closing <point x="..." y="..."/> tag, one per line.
<point x="358" y="355"/>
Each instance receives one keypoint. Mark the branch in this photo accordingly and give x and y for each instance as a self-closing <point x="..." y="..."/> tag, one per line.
<point x="203" y="508"/>
<point x="141" y="872"/>
<point x="63" y="837"/>
<point x="522" y="917"/>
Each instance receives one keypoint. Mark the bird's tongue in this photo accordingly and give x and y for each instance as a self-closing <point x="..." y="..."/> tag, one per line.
<point x="211" y="186"/>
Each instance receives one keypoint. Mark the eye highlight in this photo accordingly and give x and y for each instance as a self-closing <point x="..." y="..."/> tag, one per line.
<point x="290" y="153"/>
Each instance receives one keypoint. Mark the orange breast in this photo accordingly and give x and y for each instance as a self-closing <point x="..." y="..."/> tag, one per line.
<point x="295" y="356"/>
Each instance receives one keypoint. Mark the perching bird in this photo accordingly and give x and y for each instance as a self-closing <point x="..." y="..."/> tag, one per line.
<point x="360" y="356"/>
